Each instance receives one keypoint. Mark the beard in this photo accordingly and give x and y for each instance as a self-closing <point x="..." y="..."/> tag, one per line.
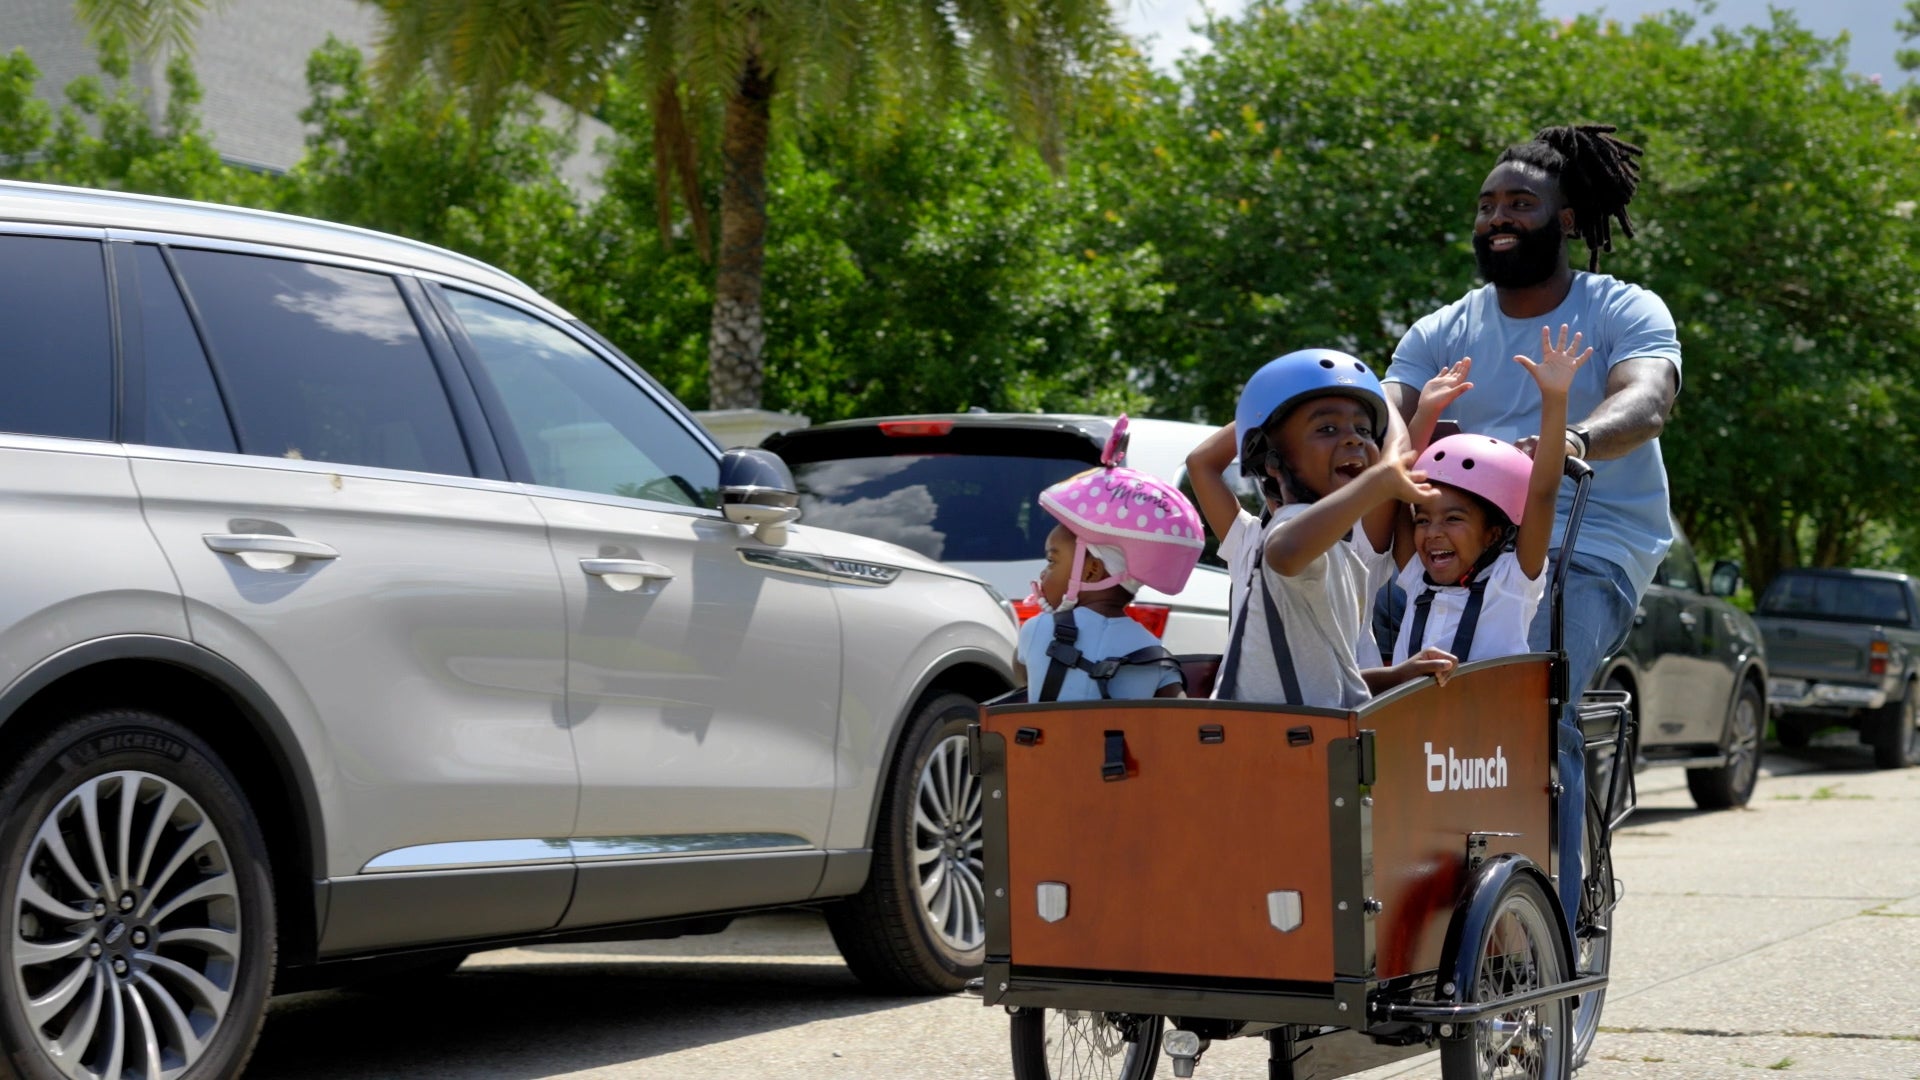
<point x="1537" y="256"/>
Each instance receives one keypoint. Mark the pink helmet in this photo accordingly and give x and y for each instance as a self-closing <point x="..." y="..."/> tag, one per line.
<point x="1155" y="528"/>
<point x="1496" y="471"/>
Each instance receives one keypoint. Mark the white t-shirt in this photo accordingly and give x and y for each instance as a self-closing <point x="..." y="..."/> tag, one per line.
<point x="1506" y="610"/>
<point x="1100" y="638"/>
<point x="1324" y="608"/>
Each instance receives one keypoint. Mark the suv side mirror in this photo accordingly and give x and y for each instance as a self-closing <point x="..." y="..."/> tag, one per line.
<point x="1725" y="579"/>
<point x="757" y="489"/>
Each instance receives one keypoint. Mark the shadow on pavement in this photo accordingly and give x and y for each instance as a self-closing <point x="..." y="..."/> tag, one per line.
<point x="521" y="1020"/>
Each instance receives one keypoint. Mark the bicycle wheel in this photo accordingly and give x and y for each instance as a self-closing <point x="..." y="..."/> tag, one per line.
<point x="1064" y="1044"/>
<point x="1519" y="951"/>
<point x="1593" y="933"/>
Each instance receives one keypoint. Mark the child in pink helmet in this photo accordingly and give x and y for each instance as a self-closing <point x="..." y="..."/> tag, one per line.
<point x="1482" y="541"/>
<point x="1119" y="529"/>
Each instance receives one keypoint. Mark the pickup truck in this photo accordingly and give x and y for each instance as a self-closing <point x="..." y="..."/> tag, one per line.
<point x="1844" y="649"/>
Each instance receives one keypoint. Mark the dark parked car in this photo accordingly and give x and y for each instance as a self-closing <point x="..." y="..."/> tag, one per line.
<point x="1846" y="650"/>
<point x="1697" y="671"/>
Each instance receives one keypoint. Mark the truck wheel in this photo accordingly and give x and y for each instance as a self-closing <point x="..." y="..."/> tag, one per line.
<point x="1731" y="784"/>
<point x="918" y="926"/>
<point x="139" y="919"/>
<point x="1894" y="731"/>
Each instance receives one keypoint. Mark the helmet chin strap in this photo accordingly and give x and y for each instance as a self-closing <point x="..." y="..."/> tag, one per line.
<point x="1074" y="584"/>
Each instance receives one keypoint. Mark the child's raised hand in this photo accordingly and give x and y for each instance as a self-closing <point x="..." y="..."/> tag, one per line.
<point x="1558" y="363"/>
<point x="1442" y="389"/>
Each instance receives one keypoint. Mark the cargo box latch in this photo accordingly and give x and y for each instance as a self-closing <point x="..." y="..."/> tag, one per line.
<point x="1115" y="766"/>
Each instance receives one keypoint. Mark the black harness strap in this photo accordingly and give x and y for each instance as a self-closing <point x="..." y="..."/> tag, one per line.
<point x="1276" y="636"/>
<point x="1469" y="620"/>
<point x="1063" y="655"/>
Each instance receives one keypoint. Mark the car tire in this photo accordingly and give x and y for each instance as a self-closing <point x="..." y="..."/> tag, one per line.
<point x="138" y="901"/>
<point x="918" y="925"/>
<point x="1894" y="731"/>
<point x="1731" y="785"/>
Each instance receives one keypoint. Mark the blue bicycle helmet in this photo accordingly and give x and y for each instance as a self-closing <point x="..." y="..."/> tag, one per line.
<point x="1284" y="382"/>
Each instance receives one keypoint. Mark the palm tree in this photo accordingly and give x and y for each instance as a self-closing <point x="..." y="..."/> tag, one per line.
<point x="811" y="54"/>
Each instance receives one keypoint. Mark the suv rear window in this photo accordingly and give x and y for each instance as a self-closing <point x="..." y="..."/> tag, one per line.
<point x="54" y="343"/>
<point x="1841" y="599"/>
<point x="953" y="507"/>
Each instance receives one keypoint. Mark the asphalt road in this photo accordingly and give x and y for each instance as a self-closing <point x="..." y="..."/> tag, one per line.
<point x="1782" y="938"/>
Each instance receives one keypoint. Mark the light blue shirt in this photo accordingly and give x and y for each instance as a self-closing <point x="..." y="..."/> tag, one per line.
<point x="1101" y="638"/>
<point x="1627" y="520"/>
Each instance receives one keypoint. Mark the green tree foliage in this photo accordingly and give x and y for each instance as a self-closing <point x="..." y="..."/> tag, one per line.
<point x="103" y="136"/>
<point x="415" y="163"/>
<point x="745" y="57"/>
<point x="939" y="267"/>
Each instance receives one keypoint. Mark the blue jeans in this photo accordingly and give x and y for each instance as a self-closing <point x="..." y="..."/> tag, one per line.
<point x="1597" y="613"/>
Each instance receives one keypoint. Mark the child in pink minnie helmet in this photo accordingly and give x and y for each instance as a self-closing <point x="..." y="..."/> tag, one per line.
<point x="1119" y="529"/>
<point x="1482" y="541"/>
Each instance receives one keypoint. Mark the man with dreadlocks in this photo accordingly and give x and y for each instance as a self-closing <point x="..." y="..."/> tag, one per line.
<point x="1567" y="181"/>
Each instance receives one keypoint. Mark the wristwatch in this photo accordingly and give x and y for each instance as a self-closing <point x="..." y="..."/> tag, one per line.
<point x="1578" y="436"/>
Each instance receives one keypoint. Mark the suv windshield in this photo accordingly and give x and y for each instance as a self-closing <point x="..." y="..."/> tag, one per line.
<point x="951" y="507"/>
<point x="1841" y="599"/>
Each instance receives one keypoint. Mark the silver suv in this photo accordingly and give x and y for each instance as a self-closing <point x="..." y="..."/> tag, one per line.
<point x="363" y="605"/>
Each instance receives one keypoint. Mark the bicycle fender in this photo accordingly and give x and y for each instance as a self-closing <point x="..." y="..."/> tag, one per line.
<point x="1476" y="909"/>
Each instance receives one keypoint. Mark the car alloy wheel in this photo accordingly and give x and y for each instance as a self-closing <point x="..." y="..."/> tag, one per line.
<point x="948" y="850"/>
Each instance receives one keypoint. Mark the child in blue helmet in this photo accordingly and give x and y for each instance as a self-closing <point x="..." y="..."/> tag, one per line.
<point x="1309" y="427"/>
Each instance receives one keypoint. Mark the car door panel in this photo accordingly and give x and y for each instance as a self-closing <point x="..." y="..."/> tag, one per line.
<point x="408" y="610"/>
<point x="702" y="692"/>
<point x="703" y="703"/>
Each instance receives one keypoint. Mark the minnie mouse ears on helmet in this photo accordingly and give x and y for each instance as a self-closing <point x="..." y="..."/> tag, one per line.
<point x="1150" y="520"/>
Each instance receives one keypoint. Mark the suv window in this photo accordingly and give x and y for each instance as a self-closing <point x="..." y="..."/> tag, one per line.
<point x="1835" y="597"/>
<point x="54" y="341"/>
<point x="581" y="424"/>
<point x="181" y="405"/>
<point x="956" y="507"/>
<point x="322" y="363"/>
<point x="1680" y="570"/>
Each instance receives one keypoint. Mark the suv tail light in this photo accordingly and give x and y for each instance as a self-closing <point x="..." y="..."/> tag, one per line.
<point x="1877" y="662"/>
<point x="908" y="428"/>
<point x="1151" y="616"/>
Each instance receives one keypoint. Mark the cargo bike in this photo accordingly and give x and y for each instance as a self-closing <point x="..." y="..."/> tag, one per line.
<point x="1354" y="886"/>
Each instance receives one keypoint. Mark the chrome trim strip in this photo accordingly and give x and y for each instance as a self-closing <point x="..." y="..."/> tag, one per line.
<point x="823" y="567"/>
<point x="601" y="848"/>
<point x="469" y="854"/>
<point x="464" y="853"/>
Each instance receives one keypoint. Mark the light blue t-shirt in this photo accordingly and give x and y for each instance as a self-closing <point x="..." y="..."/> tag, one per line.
<point x="1100" y="638"/>
<point x="1626" y="521"/>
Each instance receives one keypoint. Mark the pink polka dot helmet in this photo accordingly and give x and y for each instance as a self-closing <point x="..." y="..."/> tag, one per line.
<point x="1496" y="471"/>
<point x="1155" y="527"/>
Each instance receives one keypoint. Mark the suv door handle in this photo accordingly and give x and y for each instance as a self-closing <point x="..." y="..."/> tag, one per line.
<point x="268" y="551"/>
<point x="626" y="575"/>
<point x="1689" y="620"/>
